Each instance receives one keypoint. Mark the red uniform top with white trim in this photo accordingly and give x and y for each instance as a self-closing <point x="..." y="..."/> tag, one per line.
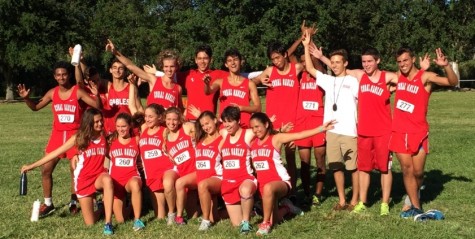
<point x="117" y="102"/>
<point x="182" y="152"/>
<point x="208" y="160"/>
<point x="164" y="96"/>
<point x="91" y="160"/>
<point x="283" y="96"/>
<point x="154" y="161"/>
<point x="410" y="109"/>
<point x="123" y="160"/>
<point x="66" y="113"/>
<point x="236" y="159"/>
<point x="310" y="103"/>
<point x="267" y="162"/>
<point x="238" y="95"/>
<point x="374" y="112"/>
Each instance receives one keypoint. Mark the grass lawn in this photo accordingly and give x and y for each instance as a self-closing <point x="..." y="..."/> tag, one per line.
<point x="450" y="172"/>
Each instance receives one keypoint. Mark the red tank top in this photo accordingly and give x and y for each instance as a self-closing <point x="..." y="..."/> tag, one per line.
<point x="154" y="161"/>
<point x="374" y="112"/>
<point x="117" y="102"/>
<point x="164" y="96"/>
<point x="410" y="108"/>
<point x="66" y="113"/>
<point x="91" y="160"/>
<point x="182" y="152"/>
<point x="236" y="159"/>
<point x="238" y="95"/>
<point x="267" y="162"/>
<point x="194" y="86"/>
<point x="208" y="160"/>
<point x="283" y="96"/>
<point x="123" y="160"/>
<point x="310" y="103"/>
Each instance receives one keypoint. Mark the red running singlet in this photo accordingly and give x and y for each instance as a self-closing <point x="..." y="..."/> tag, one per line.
<point x="66" y="113"/>
<point x="182" y="152"/>
<point x="208" y="160"/>
<point x="236" y="159"/>
<point x="164" y="96"/>
<point x="267" y="162"/>
<point x="154" y="161"/>
<point x="123" y="160"/>
<point x="238" y="95"/>
<point x="117" y="102"/>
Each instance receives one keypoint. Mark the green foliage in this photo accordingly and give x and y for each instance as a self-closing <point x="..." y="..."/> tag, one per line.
<point x="35" y="34"/>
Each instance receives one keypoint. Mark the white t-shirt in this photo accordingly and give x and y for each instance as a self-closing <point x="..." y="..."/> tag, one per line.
<point x="344" y="92"/>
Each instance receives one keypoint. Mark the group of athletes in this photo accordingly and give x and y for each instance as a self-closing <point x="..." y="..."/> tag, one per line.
<point x="184" y="152"/>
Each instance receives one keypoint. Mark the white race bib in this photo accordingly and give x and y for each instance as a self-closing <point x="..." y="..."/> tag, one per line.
<point x="261" y="165"/>
<point x="405" y="106"/>
<point x="203" y="164"/>
<point x="310" y="105"/>
<point x="124" y="162"/>
<point x="231" y="164"/>
<point x="65" y="118"/>
<point x="151" y="154"/>
<point x="181" y="158"/>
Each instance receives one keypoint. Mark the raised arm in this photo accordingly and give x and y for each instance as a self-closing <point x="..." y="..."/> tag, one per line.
<point x="308" y="60"/>
<point x="129" y="64"/>
<point x="451" y="79"/>
<point x="134" y="101"/>
<point x="25" y="94"/>
<point x="210" y="88"/>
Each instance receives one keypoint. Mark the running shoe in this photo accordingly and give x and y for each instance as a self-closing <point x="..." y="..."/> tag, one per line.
<point x="138" y="225"/>
<point x="73" y="207"/>
<point x="108" y="229"/>
<point x="384" y="211"/>
<point x="264" y="229"/>
<point x="316" y="200"/>
<point x="180" y="221"/>
<point x="245" y="227"/>
<point x="205" y="225"/>
<point x="171" y="219"/>
<point x="359" y="208"/>
<point x="292" y="208"/>
<point x="46" y="210"/>
<point x="412" y="212"/>
<point x="435" y="214"/>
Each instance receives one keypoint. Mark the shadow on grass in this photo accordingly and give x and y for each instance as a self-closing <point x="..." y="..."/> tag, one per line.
<point x="434" y="182"/>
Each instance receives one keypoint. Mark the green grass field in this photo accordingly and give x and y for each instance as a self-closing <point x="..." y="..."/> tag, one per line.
<point x="450" y="172"/>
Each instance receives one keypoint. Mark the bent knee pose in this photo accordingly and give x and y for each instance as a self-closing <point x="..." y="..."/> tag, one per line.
<point x="239" y="184"/>
<point x="273" y="179"/>
<point x="89" y="172"/>
<point x="123" y="154"/>
<point x="209" y="170"/>
<point x="157" y="167"/>
<point x="67" y="106"/>
<point x="180" y="148"/>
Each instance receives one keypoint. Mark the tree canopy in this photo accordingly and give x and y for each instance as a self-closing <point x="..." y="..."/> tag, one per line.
<point x="35" y="34"/>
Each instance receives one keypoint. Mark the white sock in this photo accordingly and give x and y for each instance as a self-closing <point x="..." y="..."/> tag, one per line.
<point x="48" y="201"/>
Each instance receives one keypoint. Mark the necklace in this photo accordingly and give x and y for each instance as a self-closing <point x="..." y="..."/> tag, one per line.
<point x="335" y="98"/>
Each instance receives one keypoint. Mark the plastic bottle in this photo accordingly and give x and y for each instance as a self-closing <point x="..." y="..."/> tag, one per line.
<point x="35" y="212"/>
<point x="76" y="55"/>
<point x="23" y="184"/>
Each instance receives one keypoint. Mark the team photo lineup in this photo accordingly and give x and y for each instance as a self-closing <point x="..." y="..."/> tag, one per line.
<point x="218" y="154"/>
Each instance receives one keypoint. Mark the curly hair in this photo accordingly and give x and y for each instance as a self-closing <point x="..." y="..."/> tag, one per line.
<point x="168" y="54"/>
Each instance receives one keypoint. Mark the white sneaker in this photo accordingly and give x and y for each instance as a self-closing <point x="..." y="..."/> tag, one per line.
<point x="171" y="218"/>
<point x="205" y="225"/>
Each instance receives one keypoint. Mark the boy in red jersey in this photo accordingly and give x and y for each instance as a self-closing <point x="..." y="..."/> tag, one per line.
<point x="410" y="130"/>
<point x="282" y="96"/>
<point x="67" y="104"/>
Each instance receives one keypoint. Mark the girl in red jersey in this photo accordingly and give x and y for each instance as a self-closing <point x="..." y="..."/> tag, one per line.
<point x="123" y="154"/>
<point x="157" y="168"/>
<point x="163" y="90"/>
<point x="180" y="149"/>
<point x="274" y="181"/>
<point x="239" y="184"/>
<point x="209" y="171"/>
<point x="89" y="172"/>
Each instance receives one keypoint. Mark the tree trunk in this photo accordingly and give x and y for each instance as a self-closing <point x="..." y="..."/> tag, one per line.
<point x="8" y="74"/>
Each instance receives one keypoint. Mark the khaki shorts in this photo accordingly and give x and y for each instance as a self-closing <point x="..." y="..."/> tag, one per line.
<point x="341" y="151"/>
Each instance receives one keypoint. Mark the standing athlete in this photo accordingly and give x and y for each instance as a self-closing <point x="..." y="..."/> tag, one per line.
<point x="67" y="106"/>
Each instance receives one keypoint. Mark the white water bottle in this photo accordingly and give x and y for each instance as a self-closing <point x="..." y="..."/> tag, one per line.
<point x="35" y="213"/>
<point x="76" y="55"/>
